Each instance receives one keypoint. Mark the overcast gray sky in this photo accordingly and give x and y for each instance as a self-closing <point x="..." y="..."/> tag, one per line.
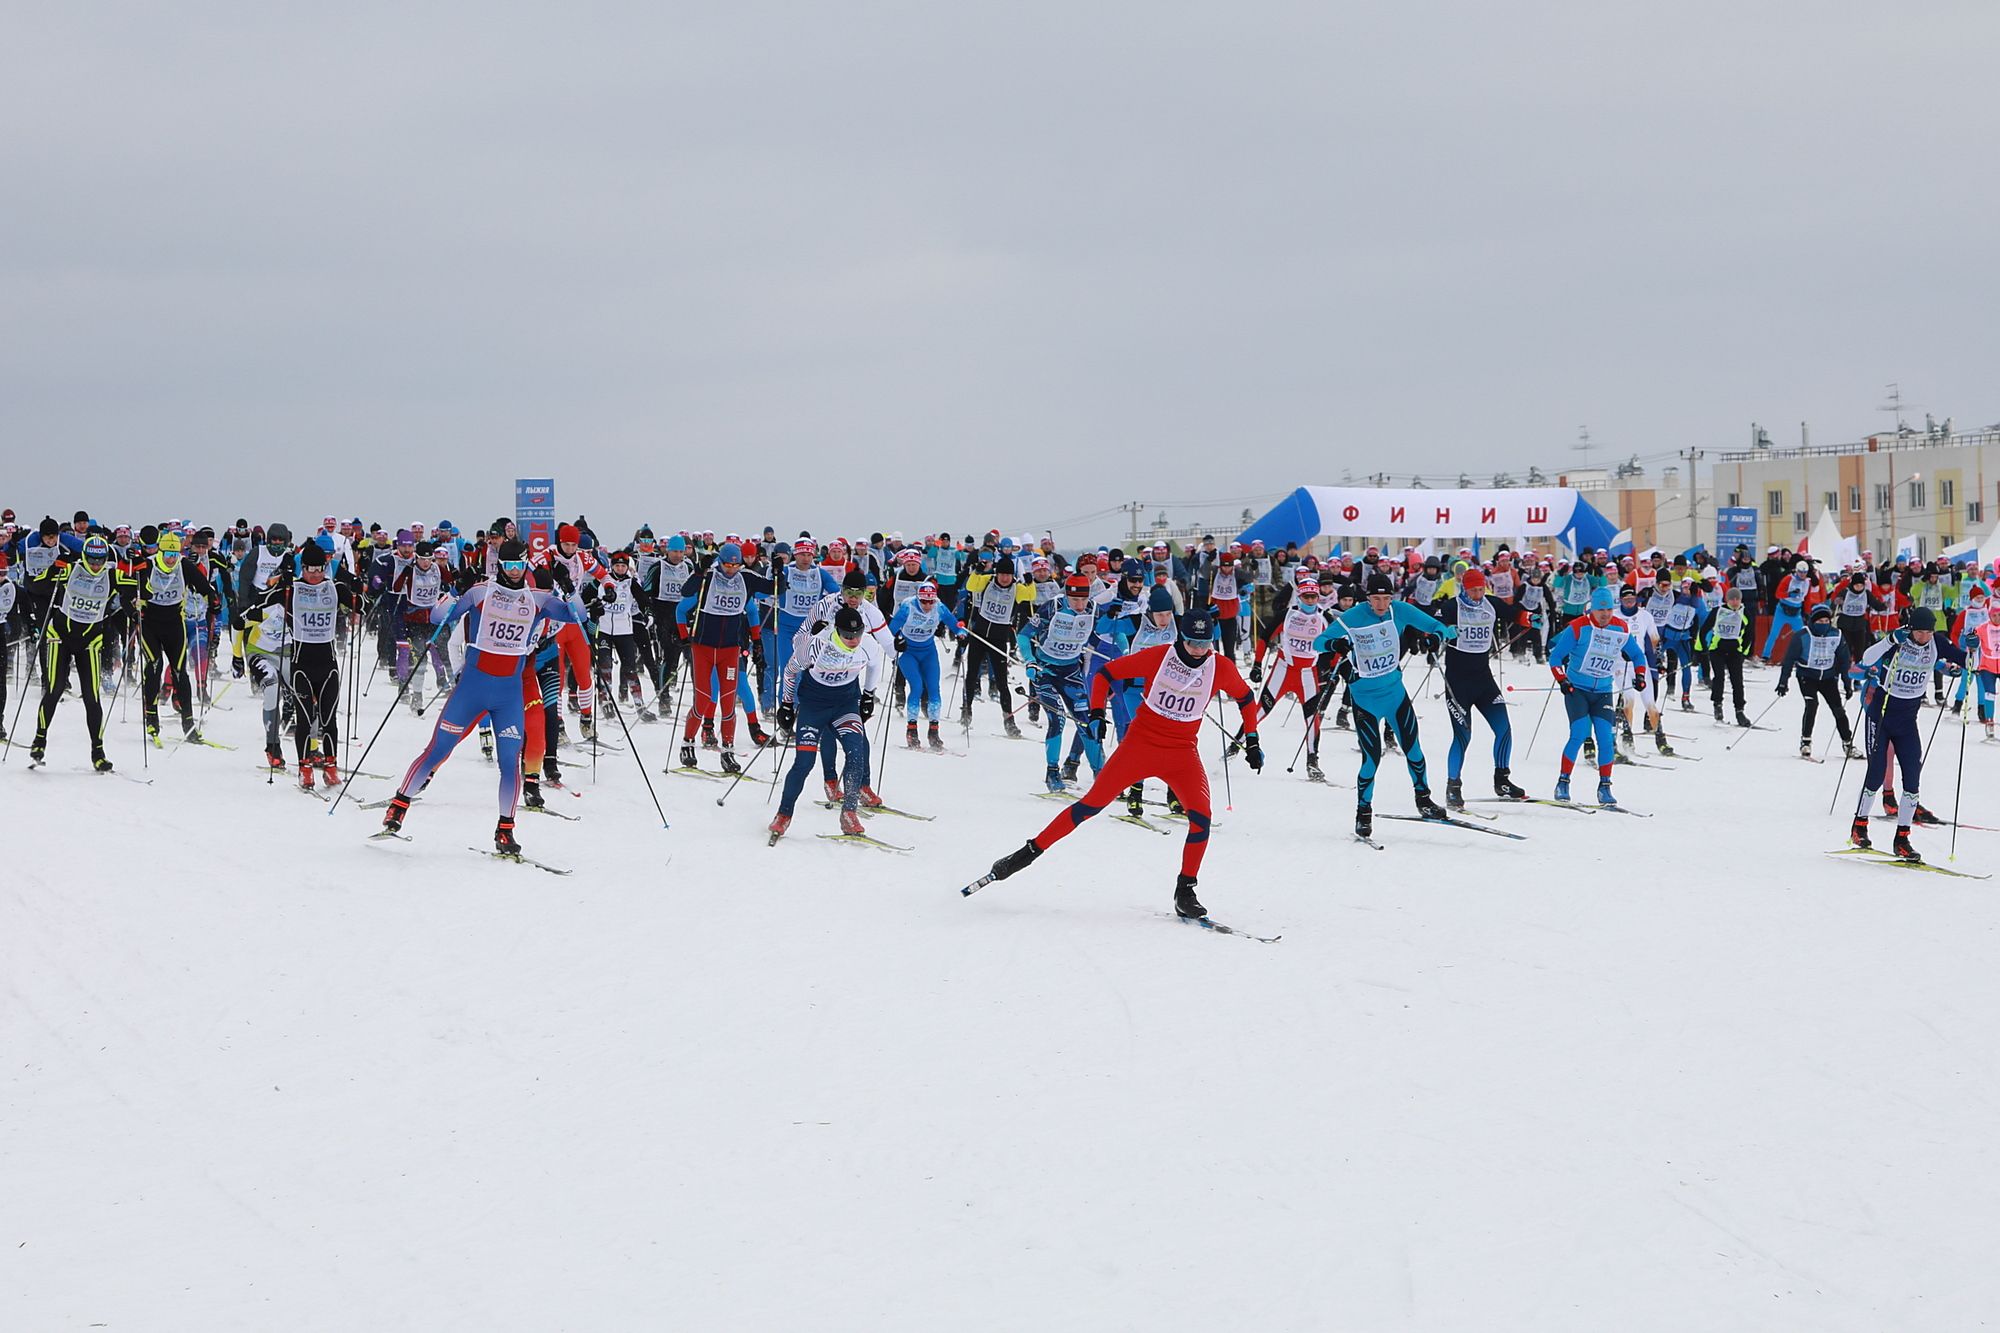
<point x="942" y="265"/>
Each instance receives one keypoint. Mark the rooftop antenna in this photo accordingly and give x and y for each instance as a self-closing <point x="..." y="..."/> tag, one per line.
<point x="1894" y="407"/>
<point x="1584" y="444"/>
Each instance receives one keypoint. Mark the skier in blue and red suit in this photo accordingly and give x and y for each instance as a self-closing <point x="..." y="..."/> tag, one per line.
<point x="503" y="618"/>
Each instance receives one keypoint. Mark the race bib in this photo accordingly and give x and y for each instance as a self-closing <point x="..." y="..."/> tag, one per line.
<point x="1728" y="623"/>
<point x="1601" y="653"/>
<point x="1067" y="635"/>
<point x="834" y="663"/>
<point x="1910" y="670"/>
<point x="728" y="595"/>
<point x="1475" y="627"/>
<point x="996" y="604"/>
<point x="40" y="557"/>
<point x="1681" y="618"/>
<point x="803" y="589"/>
<point x="1503" y="584"/>
<point x="505" y="619"/>
<point x="426" y="585"/>
<point x="1933" y="597"/>
<point x="1302" y="627"/>
<point x="921" y="625"/>
<point x="1662" y="607"/>
<point x="1179" y="692"/>
<point x="1225" y="586"/>
<point x="1820" y="650"/>
<point x="87" y="595"/>
<point x="1854" y="603"/>
<point x="1375" y="648"/>
<point x="315" y="610"/>
<point x="164" y="589"/>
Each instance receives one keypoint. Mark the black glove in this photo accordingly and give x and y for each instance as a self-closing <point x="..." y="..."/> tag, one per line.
<point x="1432" y="643"/>
<point x="1639" y="680"/>
<point x="1266" y="701"/>
<point x="1780" y="691"/>
<point x="1095" y="727"/>
<point x="236" y="666"/>
<point x="1256" y="672"/>
<point x="1253" y="753"/>
<point x="902" y="644"/>
<point x="867" y="706"/>
<point x="787" y="716"/>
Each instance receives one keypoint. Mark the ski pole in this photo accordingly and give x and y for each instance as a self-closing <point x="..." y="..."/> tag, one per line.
<point x="47" y="611"/>
<point x="633" y="746"/>
<point x="1964" y="725"/>
<point x="1538" y="721"/>
<point x="386" y="715"/>
<point x="1753" y="726"/>
<point x="1228" y="796"/>
<point x="888" y="715"/>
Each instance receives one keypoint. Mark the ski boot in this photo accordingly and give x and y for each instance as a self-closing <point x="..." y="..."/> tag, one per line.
<point x="647" y="714"/>
<point x="1590" y="749"/>
<point x="1174" y="805"/>
<point x="1562" y="788"/>
<point x="329" y="771"/>
<point x="99" y="762"/>
<point x="486" y="741"/>
<point x="850" y="824"/>
<point x="1340" y="721"/>
<point x="1388" y="739"/>
<point x="934" y="740"/>
<point x="868" y="799"/>
<point x="1718" y="711"/>
<point x="153" y="735"/>
<point x="1889" y="806"/>
<point x="1925" y="819"/>
<point x="910" y="736"/>
<point x="190" y="733"/>
<point x="552" y="771"/>
<point x="1625" y="731"/>
<point x="1903" y="848"/>
<point x="687" y="755"/>
<point x="1454" y="794"/>
<point x="586" y="726"/>
<point x="1314" y="773"/>
<point x="1503" y="786"/>
<point x="306" y="767"/>
<point x="1364" y="821"/>
<point x="1858" y="835"/>
<point x="1016" y="861"/>
<point x="833" y="792"/>
<point x="729" y="764"/>
<point x="274" y="759"/>
<point x="1186" y="905"/>
<point x="1427" y="808"/>
<point x="1069" y="768"/>
<point x="1743" y="719"/>
<point x="708" y="741"/>
<point x="503" y="838"/>
<point x="1805" y="747"/>
<point x="779" y="823"/>
<point x="1053" y="779"/>
<point x="1034" y="712"/>
<point x="758" y="736"/>
<point x="416" y="701"/>
<point x="40" y="749"/>
<point x="1135" y="800"/>
<point x="1687" y="704"/>
<point x="1847" y="748"/>
<point x="1958" y="707"/>
<point x="1013" y="728"/>
<point x="1660" y="741"/>
<point x="1604" y="796"/>
<point x="531" y="793"/>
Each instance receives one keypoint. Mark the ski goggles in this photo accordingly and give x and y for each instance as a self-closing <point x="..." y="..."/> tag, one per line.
<point x="517" y="567"/>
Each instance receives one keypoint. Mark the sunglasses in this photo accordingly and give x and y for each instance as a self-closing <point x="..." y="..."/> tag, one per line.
<point x="514" y="566"/>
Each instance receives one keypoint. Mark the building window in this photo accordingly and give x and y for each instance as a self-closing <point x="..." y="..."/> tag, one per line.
<point x="1947" y="496"/>
<point x="1923" y="547"/>
<point x="1832" y="499"/>
<point x="1853" y="499"/>
<point x="1916" y="495"/>
<point x="1881" y="497"/>
<point x="1975" y="512"/>
<point x="1799" y="521"/>
<point x="1735" y="500"/>
<point x="1774" y="502"/>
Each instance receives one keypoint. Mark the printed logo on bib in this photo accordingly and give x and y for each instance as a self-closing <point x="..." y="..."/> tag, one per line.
<point x="87" y="595"/>
<point x="727" y="596"/>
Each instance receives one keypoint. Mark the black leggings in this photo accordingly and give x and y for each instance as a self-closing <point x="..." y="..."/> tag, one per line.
<point x="1812" y="691"/>
<point x="315" y="687"/>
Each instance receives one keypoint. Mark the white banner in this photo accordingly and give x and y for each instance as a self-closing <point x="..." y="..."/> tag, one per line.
<point x="1364" y="510"/>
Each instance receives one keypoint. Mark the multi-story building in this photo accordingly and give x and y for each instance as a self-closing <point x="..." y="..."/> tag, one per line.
<point x="1936" y="488"/>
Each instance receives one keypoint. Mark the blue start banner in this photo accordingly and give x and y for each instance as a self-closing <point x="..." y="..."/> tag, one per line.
<point x="535" y="511"/>
<point x="1734" y="528"/>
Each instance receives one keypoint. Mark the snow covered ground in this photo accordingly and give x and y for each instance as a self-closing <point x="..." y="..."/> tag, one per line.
<point x="1675" y="1073"/>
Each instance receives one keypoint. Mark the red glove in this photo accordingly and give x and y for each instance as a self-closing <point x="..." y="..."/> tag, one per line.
<point x="682" y="631"/>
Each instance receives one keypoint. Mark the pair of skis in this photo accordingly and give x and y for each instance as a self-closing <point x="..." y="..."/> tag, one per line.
<point x="515" y="858"/>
